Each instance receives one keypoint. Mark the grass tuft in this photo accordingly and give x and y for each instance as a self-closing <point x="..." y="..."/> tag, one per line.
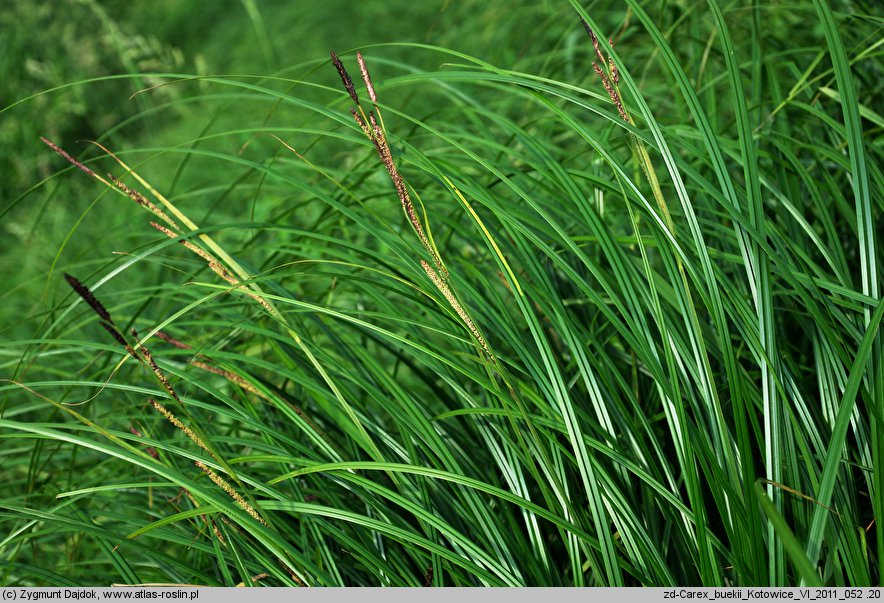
<point x="533" y="310"/>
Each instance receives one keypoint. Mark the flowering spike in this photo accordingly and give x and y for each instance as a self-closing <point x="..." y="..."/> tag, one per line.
<point x="88" y="297"/>
<point x="345" y="77"/>
<point x="360" y="122"/>
<point x="64" y="154"/>
<point x="612" y="93"/>
<point x="595" y="40"/>
<point x="366" y="77"/>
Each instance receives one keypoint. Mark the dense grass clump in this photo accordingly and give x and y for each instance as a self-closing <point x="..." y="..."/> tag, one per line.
<point x="591" y="299"/>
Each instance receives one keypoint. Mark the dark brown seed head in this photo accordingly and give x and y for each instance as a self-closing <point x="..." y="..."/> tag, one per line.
<point x="84" y="292"/>
<point x="587" y="27"/>
<point x="345" y="77"/>
<point x="595" y="40"/>
<point x="64" y="154"/>
<point x="118" y="337"/>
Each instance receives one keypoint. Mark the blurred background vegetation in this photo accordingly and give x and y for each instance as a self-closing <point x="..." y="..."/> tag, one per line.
<point x="72" y="68"/>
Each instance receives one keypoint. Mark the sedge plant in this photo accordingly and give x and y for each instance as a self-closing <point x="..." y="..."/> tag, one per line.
<point x="606" y="315"/>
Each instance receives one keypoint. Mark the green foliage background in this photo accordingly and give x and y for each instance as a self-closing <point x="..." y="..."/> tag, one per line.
<point x="685" y="383"/>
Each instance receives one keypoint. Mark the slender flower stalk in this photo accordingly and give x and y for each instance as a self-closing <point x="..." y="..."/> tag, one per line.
<point x="610" y="82"/>
<point x="143" y="355"/>
<point x="374" y="131"/>
<point x="216" y="266"/>
<point x="206" y="365"/>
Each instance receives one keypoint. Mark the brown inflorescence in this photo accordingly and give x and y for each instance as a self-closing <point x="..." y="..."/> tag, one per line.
<point x="171" y="340"/>
<point x="595" y="40"/>
<point x="383" y="149"/>
<point x="361" y="122"/>
<point x="230" y="376"/>
<point x="143" y="201"/>
<point x="64" y="154"/>
<point x="345" y="77"/>
<point x="106" y="321"/>
<point x="612" y="92"/>
<point x="363" y="68"/>
<point x="609" y="82"/>
<point x="205" y="364"/>
<point x="615" y="75"/>
<point x="213" y="263"/>
<point x="87" y="296"/>
<point x="375" y="133"/>
<point x="118" y="337"/>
